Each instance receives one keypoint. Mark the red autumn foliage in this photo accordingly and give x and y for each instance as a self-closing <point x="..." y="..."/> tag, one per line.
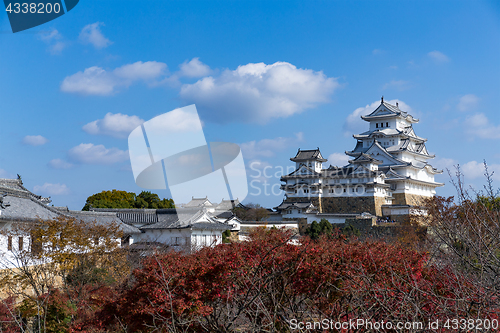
<point x="9" y="317"/>
<point x="262" y="284"/>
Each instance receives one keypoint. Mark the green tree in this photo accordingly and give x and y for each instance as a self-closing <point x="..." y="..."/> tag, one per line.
<point x="111" y="199"/>
<point x="350" y="231"/>
<point x="225" y="236"/>
<point x="123" y="199"/>
<point x="315" y="230"/>
<point x="146" y="199"/>
<point x="251" y="212"/>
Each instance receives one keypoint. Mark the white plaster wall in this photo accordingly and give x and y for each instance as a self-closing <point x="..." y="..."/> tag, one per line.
<point x="271" y="225"/>
<point x="165" y="236"/>
<point x="201" y="238"/>
<point x="332" y="219"/>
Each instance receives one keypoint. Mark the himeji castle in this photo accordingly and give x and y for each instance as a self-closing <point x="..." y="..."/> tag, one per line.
<point x="388" y="174"/>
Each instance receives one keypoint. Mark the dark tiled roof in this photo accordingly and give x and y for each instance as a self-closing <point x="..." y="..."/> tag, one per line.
<point x="298" y="205"/>
<point x="225" y="215"/>
<point x="305" y="155"/>
<point x="358" y="149"/>
<point x="14" y="187"/>
<point x="23" y="206"/>
<point x="182" y="218"/>
<point x="104" y="219"/>
<point x="138" y="217"/>
<point x="393" y="110"/>
<point x="27" y="208"/>
<point x="365" y="158"/>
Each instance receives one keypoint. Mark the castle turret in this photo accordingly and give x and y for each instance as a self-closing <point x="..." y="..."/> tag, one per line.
<point x="310" y="158"/>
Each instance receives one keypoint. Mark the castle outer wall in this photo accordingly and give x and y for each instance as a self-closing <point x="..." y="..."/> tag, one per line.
<point x="358" y="205"/>
<point x="344" y="205"/>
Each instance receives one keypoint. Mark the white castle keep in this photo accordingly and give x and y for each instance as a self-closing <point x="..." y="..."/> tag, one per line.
<point x="388" y="174"/>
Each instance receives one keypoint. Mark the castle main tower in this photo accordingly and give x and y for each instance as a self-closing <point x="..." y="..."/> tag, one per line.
<point x="389" y="171"/>
<point x="403" y="155"/>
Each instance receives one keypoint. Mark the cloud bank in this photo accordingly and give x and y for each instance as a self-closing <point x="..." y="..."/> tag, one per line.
<point x="116" y="125"/>
<point x="259" y="92"/>
<point x="98" y="81"/>
<point x="88" y="153"/>
<point x="34" y="140"/>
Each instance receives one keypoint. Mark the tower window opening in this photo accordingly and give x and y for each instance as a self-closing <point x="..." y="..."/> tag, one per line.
<point x="376" y="125"/>
<point x="386" y="124"/>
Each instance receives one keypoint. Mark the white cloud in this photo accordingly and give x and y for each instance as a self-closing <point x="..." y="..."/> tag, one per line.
<point x="473" y="170"/>
<point x="51" y="189"/>
<point x="91" y="34"/>
<point x="259" y="92"/>
<point x="139" y="70"/>
<point x="97" y="81"/>
<point x="399" y="85"/>
<point x="57" y="163"/>
<point x="92" y="81"/>
<point x="53" y="39"/>
<point x="468" y="102"/>
<point x="34" y="140"/>
<point x="88" y="153"/>
<point x="338" y="159"/>
<point x="355" y="125"/>
<point x="194" y="68"/>
<point x="438" y="57"/>
<point x="478" y="125"/>
<point x="269" y="147"/>
<point x="116" y="125"/>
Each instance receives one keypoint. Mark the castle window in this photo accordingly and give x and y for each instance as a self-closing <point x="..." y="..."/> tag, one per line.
<point x="21" y="243"/>
<point x="386" y="124"/>
<point x="9" y="243"/>
<point x="381" y="124"/>
<point x="376" y="125"/>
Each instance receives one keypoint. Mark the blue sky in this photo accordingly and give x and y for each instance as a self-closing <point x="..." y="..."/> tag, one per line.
<point x="272" y="76"/>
